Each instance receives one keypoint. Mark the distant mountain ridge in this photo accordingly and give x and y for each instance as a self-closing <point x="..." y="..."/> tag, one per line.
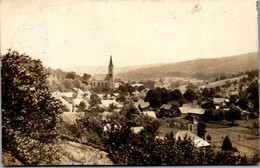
<point x="199" y="68"/>
<point x="104" y="69"/>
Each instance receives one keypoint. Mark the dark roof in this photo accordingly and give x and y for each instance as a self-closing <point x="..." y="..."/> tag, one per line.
<point x="166" y="106"/>
<point x="163" y="131"/>
<point x="193" y="119"/>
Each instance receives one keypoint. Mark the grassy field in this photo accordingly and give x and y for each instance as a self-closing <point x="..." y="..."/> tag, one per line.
<point x="78" y="154"/>
<point x="243" y="137"/>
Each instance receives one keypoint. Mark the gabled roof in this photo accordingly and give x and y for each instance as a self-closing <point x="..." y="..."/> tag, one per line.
<point x="101" y="76"/>
<point x="144" y="104"/>
<point x="163" y="131"/>
<point x="149" y="113"/>
<point x="67" y="94"/>
<point x="187" y="110"/>
<point x="198" y="142"/>
<point x="193" y="119"/>
<point x="218" y="100"/>
<point x="166" y="106"/>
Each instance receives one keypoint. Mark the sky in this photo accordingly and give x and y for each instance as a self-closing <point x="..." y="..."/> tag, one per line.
<point x="73" y="33"/>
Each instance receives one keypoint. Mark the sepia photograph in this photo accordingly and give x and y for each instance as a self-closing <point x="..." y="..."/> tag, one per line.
<point x="129" y="83"/>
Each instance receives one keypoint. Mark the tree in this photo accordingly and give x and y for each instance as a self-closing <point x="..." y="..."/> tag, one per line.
<point x="176" y="95"/>
<point x="154" y="98"/>
<point x="29" y="112"/>
<point x="190" y="95"/>
<point x="71" y="75"/>
<point x="226" y="145"/>
<point x="253" y="94"/>
<point x="233" y="114"/>
<point x="95" y="99"/>
<point x="86" y="76"/>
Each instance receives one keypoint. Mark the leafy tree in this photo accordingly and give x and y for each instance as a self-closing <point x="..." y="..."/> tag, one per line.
<point x="176" y="95"/>
<point x="71" y="75"/>
<point x="86" y="76"/>
<point x="95" y="99"/>
<point x="154" y="98"/>
<point x="253" y="94"/>
<point x="29" y="113"/>
<point x="205" y="93"/>
<point x="233" y="114"/>
<point x="82" y="106"/>
<point x="227" y="145"/>
<point x="190" y="95"/>
<point x="140" y="88"/>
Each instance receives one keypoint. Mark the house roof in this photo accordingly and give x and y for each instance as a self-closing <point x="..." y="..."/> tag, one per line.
<point x="163" y="131"/>
<point x="166" y="106"/>
<point x="106" y="103"/>
<point x="218" y="100"/>
<point x="137" y="85"/>
<point x="149" y="113"/>
<point x="67" y="94"/>
<point x="193" y="119"/>
<point x="137" y="130"/>
<point x="198" y="142"/>
<point x="186" y="110"/>
<point x="144" y="104"/>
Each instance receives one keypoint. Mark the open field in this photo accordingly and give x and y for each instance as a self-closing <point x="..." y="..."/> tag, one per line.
<point x="78" y="154"/>
<point x="220" y="82"/>
<point x="242" y="138"/>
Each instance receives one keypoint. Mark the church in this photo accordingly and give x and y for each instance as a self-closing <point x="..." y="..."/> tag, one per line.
<point x="100" y="80"/>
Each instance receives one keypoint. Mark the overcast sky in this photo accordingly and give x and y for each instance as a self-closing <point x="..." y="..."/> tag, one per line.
<point x="68" y="33"/>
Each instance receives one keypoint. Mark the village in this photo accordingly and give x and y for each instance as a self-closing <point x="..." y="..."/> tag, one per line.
<point x="207" y="121"/>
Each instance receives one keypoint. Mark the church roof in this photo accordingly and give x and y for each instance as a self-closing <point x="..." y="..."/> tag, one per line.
<point x="101" y="77"/>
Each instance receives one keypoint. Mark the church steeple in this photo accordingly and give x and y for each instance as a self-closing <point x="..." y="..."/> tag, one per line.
<point x="111" y="62"/>
<point x="111" y="74"/>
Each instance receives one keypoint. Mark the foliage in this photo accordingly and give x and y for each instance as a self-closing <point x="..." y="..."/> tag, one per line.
<point x="226" y="145"/>
<point x="29" y="112"/>
<point x="95" y="99"/>
<point x="154" y="98"/>
<point x="143" y="149"/>
<point x="190" y="95"/>
<point x="253" y="94"/>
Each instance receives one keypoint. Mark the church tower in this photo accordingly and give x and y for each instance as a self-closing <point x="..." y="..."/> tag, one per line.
<point x="111" y="74"/>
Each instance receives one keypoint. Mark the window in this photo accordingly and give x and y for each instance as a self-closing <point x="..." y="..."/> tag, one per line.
<point x="191" y="128"/>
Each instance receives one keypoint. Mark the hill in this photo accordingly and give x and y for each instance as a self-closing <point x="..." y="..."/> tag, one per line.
<point x="103" y="69"/>
<point x="199" y="68"/>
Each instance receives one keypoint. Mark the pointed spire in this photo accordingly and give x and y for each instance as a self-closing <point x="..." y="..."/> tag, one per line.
<point x="111" y="62"/>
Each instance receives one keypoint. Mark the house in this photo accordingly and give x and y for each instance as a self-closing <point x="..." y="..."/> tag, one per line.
<point x="245" y="115"/>
<point x="104" y="115"/>
<point x="137" y="130"/>
<point x="158" y="85"/>
<point x="58" y="95"/>
<point x="144" y="106"/>
<point x="219" y="101"/>
<point x="169" y="110"/>
<point x="181" y="134"/>
<point x="196" y="140"/>
<point x="78" y="93"/>
<point x="163" y="131"/>
<point x="106" y="103"/>
<point x="68" y="94"/>
<point x="189" y="110"/>
<point x="149" y="113"/>
<point x="137" y="85"/>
